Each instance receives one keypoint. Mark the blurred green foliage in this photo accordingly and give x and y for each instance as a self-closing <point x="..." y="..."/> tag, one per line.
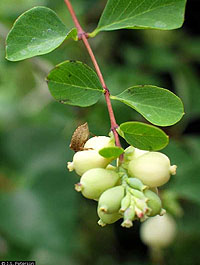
<point x="42" y="218"/>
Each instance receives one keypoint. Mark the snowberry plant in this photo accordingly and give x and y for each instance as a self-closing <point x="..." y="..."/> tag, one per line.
<point x="124" y="182"/>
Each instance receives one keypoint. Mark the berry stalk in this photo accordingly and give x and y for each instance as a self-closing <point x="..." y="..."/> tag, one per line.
<point x="82" y="35"/>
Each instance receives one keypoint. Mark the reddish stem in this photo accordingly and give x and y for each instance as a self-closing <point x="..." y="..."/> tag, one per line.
<point x="73" y="15"/>
<point x="82" y="35"/>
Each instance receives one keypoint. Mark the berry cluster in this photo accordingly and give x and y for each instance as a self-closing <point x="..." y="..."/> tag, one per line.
<point x="128" y="190"/>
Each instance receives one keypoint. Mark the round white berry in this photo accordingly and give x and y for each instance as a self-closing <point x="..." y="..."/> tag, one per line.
<point x="158" y="231"/>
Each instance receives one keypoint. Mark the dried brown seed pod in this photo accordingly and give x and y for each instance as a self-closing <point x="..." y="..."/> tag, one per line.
<point x="80" y="137"/>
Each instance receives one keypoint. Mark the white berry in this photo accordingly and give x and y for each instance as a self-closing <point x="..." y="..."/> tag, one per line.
<point x="158" y="231"/>
<point x="152" y="168"/>
<point x="87" y="159"/>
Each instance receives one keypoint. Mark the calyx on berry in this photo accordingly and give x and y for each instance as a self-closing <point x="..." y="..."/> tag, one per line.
<point x="107" y="218"/>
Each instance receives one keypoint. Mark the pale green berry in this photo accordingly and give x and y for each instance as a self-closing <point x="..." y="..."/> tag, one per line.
<point x="141" y="204"/>
<point x="138" y="194"/>
<point x="99" y="142"/>
<point x="129" y="216"/>
<point x="95" y="181"/>
<point x="154" y="202"/>
<point x="125" y="202"/>
<point x="107" y="218"/>
<point x="85" y="160"/>
<point x="110" y="200"/>
<point x="136" y="183"/>
<point x="152" y="168"/>
<point x="158" y="231"/>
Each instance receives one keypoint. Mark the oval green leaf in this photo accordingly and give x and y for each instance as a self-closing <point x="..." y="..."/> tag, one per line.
<point x="111" y="152"/>
<point x="158" y="105"/>
<point x="37" y="31"/>
<point x="144" y="14"/>
<point x="144" y="136"/>
<point x="74" y="83"/>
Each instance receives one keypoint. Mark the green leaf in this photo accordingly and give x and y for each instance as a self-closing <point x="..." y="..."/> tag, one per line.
<point x="144" y="136"/>
<point x="144" y="14"/>
<point x="37" y="31"/>
<point x="159" y="106"/>
<point x="74" y="83"/>
<point x="111" y="152"/>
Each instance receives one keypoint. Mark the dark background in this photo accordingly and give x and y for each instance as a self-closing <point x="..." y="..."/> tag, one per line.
<point x="42" y="218"/>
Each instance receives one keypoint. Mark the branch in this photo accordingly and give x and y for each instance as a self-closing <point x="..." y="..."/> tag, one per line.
<point x="82" y="35"/>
